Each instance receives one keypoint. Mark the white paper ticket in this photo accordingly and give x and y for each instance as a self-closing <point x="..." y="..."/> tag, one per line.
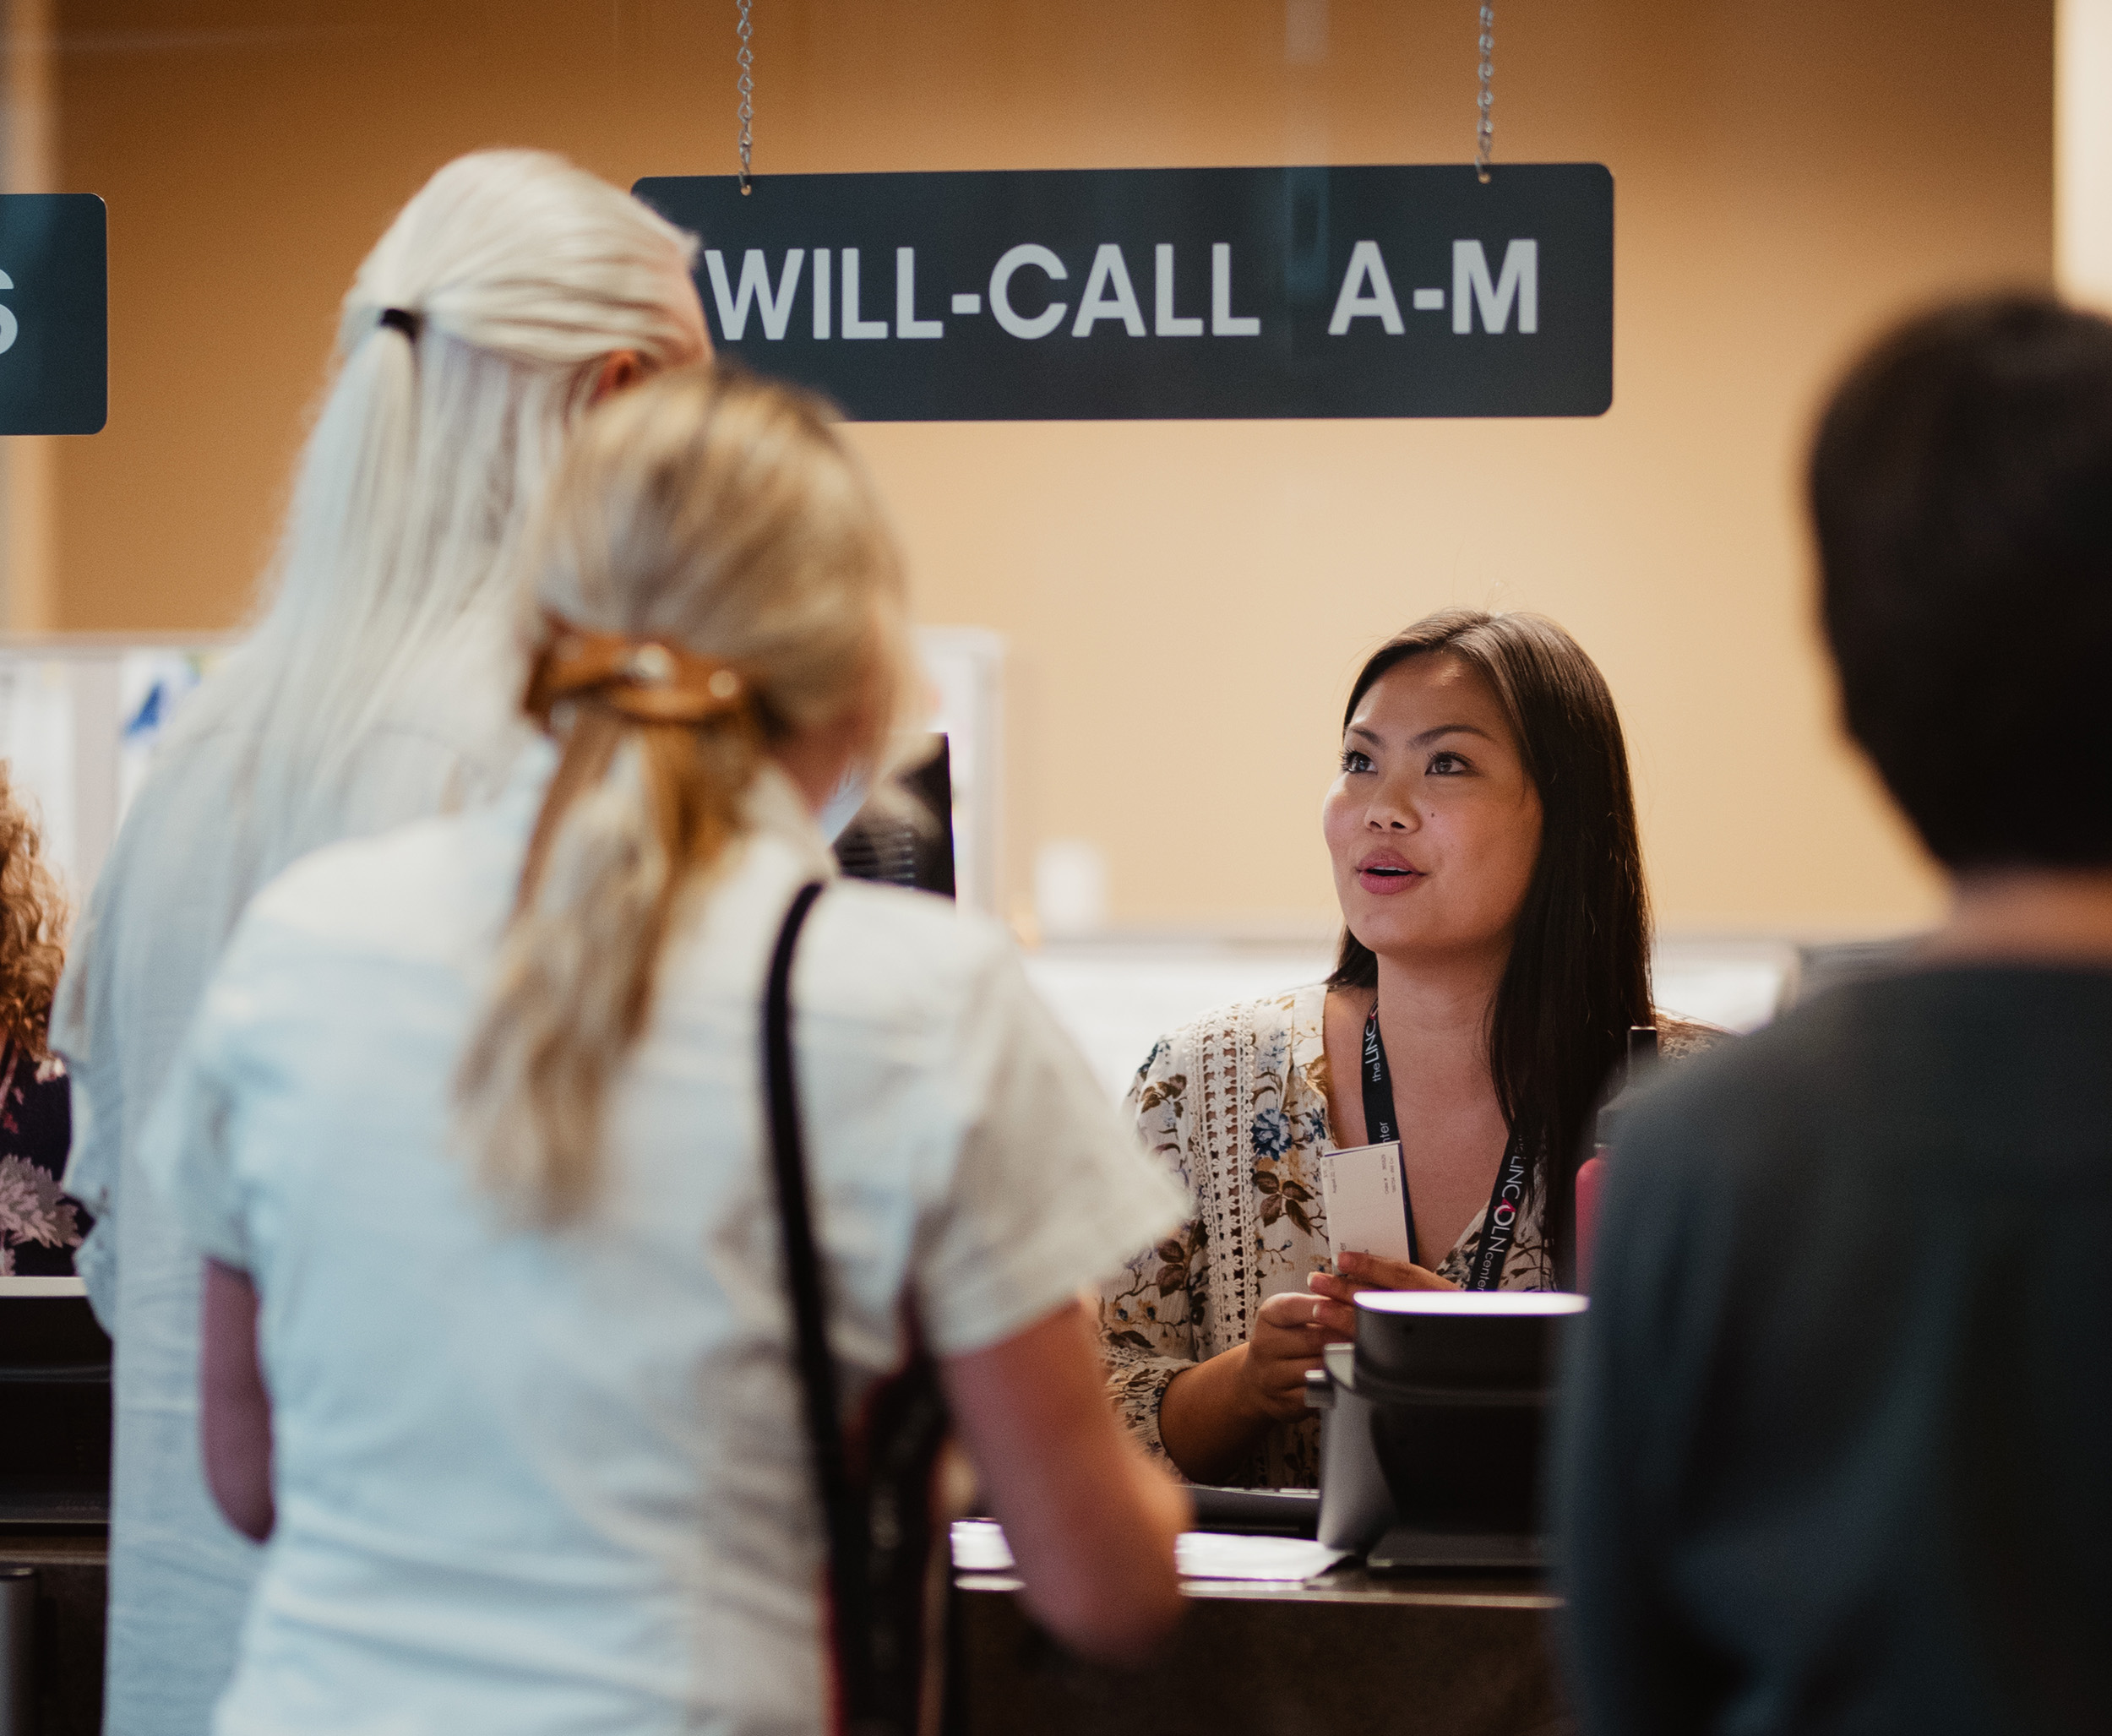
<point x="1366" y="1193"/>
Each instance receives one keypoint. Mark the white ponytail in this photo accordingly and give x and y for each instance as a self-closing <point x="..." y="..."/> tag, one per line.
<point x="518" y="276"/>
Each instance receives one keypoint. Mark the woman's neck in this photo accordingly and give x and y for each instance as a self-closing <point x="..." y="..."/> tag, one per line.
<point x="2045" y="915"/>
<point x="1434" y="1017"/>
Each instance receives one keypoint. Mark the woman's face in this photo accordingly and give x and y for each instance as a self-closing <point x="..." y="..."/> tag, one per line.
<point x="1433" y="824"/>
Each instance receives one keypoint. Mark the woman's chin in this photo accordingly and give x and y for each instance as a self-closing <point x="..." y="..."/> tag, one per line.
<point x="1386" y="934"/>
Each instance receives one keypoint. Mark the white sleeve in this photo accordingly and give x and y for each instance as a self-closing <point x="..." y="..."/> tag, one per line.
<point x="186" y="1144"/>
<point x="1051" y="1190"/>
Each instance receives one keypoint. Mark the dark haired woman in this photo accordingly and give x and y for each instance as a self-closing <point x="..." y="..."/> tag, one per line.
<point x="40" y="1227"/>
<point x="1494" y="954"/>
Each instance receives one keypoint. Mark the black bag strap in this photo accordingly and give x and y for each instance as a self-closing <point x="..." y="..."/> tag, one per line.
<point x="841" y="1505"/>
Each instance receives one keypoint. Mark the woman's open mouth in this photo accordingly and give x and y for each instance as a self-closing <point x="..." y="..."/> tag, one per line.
<point x="1383" y="876"/>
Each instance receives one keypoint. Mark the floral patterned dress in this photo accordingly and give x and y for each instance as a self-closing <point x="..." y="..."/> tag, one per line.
<point x="1236" y="1104"/>
<point x="40" y="1227"/>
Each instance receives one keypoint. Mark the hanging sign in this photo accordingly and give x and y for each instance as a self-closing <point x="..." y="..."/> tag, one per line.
<point x="1064" y="294"/>
<point x="54" y="313"/>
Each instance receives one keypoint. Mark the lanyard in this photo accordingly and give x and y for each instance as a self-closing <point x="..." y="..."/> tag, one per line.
<point x="1506" y="1200"/>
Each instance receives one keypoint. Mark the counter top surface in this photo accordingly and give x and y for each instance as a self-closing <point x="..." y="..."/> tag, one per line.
<point x="54" y="1549"/>
<point x="1350" y="1585"/>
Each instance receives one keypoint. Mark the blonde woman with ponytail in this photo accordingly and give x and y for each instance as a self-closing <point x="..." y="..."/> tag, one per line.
<point x="499" y="1355"/>
<point x="378" y="685"/>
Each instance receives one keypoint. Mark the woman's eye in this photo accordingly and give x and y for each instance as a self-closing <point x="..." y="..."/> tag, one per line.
<point x="1354" y="761"/>
<point x="1446" y="764"/>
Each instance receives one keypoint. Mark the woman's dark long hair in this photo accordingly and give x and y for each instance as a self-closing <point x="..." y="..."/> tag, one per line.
<point x="1579" y="971"/>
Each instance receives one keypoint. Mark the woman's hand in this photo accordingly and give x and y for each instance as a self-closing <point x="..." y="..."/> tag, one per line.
<point x="1368" y="1271"/>
<point x="1211" y="1416"/>
<point x="1289" y="1333"/>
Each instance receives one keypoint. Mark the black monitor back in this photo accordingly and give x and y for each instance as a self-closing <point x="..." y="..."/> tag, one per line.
<point x="914" y="849"/>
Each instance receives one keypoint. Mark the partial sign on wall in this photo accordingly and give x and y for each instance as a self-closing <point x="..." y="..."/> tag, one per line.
<point x="1069" y="294"/>
<point x="54" y="313"/>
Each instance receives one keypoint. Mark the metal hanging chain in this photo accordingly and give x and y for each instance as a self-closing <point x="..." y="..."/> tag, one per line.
<point x="1485" y="128"/>
<point x="747" y="88"/>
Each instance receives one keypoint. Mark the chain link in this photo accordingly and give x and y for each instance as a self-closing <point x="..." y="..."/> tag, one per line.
<point x="747" y="88"/>
<point x="1485" y="128"/>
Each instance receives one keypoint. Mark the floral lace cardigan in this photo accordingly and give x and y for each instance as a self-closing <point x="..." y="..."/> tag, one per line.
<point x="40" y="1227"/>
<point x="1237" y="1103"/>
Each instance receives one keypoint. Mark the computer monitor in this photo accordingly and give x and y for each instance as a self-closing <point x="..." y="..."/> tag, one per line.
<point x="913" y="848"/>
<point x="1446" y="1399"/>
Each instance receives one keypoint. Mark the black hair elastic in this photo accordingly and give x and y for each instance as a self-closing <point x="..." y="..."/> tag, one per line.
<point x="402" y="319"/>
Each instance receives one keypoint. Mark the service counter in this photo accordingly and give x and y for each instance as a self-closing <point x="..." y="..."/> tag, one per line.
<point x="1347" y="1654"/>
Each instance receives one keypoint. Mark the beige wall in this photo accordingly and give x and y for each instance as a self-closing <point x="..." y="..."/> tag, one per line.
<point x="1186" y="600"/>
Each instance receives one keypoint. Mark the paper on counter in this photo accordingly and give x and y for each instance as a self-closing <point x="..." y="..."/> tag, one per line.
<point x="979" y="1547"/>
<point x="1215" y="1554"/>
<point x="1366" y="1195"/>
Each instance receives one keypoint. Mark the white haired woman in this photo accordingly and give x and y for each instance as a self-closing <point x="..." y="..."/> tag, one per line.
<point x="523" y="1420"/>
<point x="378" y="687"/>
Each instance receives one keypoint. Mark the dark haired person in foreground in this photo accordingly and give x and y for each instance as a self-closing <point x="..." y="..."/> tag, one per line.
<point x="1833" y="1445"/>
<point x="1495" y="952"/>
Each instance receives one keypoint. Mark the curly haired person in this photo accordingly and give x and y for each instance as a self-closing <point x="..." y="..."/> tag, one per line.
<point x="40" y="1227"/>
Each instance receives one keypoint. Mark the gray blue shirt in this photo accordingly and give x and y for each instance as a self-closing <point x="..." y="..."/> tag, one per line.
<point x="1834" y="1449"/>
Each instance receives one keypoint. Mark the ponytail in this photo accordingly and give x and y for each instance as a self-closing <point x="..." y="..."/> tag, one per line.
<point x="634" y="811"/>
<point x="714" y="576"/>
<point x="467" y="346"/>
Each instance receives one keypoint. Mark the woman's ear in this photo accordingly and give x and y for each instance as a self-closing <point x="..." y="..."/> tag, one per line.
<point x="623" y="368"/>
<point x="821" y="756"/>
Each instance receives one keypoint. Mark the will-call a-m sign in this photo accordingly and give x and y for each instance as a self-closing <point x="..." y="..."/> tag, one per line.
<point x="1060" y="294"/>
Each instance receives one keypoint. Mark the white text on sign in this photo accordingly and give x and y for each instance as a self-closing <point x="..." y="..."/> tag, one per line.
<point x="1108" y="296"/>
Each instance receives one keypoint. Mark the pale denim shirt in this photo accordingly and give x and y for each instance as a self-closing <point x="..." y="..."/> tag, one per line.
<point x="186" y="861"/>
<point x="533" y="1481"/>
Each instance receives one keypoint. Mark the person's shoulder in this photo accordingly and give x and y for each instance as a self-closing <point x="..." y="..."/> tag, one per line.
<point x="903" y="922"/>
<point x="1681" y="1039"/>
<point x="1725" y="1094"/>
<point x="172" y="883"/>
<point x="188" y="792"/>
<point x="1263" y="1016"/>
<point x="407" y="890"/>
<point x="1261" y="1022"/>
<point x="1837" y="1036"/>
<point x="894" y="952"/>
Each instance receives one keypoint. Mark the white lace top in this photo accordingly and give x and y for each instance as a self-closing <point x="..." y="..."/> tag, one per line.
<point x="1236" y="1103"/>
